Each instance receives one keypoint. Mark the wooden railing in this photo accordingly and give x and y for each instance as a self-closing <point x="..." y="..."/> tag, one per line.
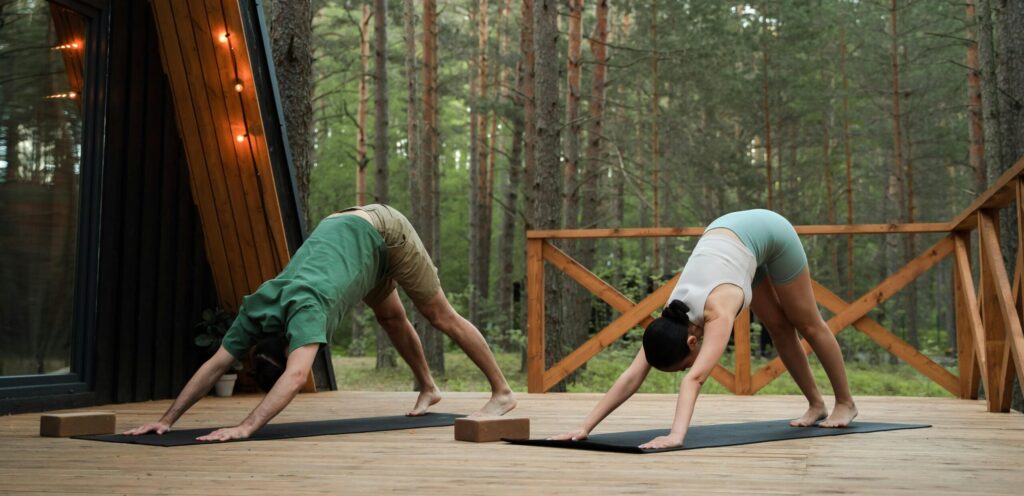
<point x="990" y="342"/>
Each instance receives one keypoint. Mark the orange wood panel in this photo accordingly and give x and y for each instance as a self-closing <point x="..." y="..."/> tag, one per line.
<point x="257" y="143"/>
<point x="535" y="315"/>
<point x="172" y="58"/>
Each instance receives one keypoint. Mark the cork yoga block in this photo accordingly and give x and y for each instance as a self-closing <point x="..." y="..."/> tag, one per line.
<point x="491" y="429"/>
<point x="76" y="424"/>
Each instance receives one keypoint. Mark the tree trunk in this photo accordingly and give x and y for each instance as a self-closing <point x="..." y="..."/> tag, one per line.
<point x="381" y="145"/>
<point x="547" y="207"/>
<point x="989" y="91"/>
<point x="592" y="165"/>
<point x="507" y="238"/>
<point x="848" y="153"/>
<point x="976" y="151"/>
<point x="291" y="36"/>
<point x="766" y="110"/>
<point x="358" y="330"/>
<point x="364" y="98"/>
<point x="473" y="195"/>
<point x="433" y="344"/>
<point x="576" y="298"/>
<point x="529" y="72"/>
<point x="830" y="197"/>
<point x="655" y="145"/>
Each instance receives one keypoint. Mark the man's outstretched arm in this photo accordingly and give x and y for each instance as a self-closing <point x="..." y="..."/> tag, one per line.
<point x="291" y="382"/>
<point x="197" y="387"/>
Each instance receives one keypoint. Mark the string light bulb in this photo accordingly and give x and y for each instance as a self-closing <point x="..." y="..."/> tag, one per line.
<point x="224" y="37"/>
<point x="239" y="87"/>
<point x="67" y="46"/>
<point x="241" y="137"/>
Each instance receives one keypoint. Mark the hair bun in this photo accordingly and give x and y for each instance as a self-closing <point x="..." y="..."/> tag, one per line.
<point x="677" y="311"/>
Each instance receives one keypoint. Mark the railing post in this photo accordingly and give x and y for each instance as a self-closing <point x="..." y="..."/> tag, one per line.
<point x="995" y="333"/>
<point x="970" y="371"/>
<point x="535" y="315"/>
<point x="741" y="352"/>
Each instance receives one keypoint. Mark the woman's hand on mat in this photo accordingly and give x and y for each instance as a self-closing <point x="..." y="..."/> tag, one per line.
<point x="226" y="434"/>
<point x="154" y="427"/>
<point x="669" y="441"/>
<point x="576" y="435"/>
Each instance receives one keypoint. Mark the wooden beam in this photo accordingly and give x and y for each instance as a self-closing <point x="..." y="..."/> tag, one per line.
<point x="877" y="295"/>
<point x="970" y="310"/>
<point x="535" y="315"/>
<point x="741" y="352"/>
<point x="672" y="232"/>
<point x="724" y="377"/>
<point x="891" y="342"/>
<point x="1010" y="333"/>
<point x="613" y="331"/>
<point x="966" y="363"/>
<point x="589" y="281"/>
<point x="999" y="195"/>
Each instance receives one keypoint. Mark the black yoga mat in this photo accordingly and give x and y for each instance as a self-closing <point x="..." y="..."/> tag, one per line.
<point x="711" y="436"/>
<point x="290" y="430"/>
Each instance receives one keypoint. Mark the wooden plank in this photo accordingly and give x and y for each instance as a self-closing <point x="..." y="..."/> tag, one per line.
<point x="226" y="130"/>
<point x="880" y="293"/>
<point x="663" y="232"/>
<point x="202" y="190"/>
<point x="255" y="216"/>
<point x="535" y="315"/>
<point x="725" y="378"/>
<point x="985" y="450"/>
<point x="257" y="142"/>
<point x="999" y="195"/>
<point x="1010" y="332"/>
<point x="605" y="337"/>
<point x="212" y="144"/>
<point x="893" y="344"/>
<point x="966" y="362"/>
<point x="589" y="281"/>
<point x="741" y="352"/>
<point x="971" y="308"/>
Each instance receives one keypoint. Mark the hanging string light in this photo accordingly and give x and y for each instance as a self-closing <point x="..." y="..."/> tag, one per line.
<point x="74" y="45"/>
<point x="237" y="84"/>
<point x="68" y="95"/>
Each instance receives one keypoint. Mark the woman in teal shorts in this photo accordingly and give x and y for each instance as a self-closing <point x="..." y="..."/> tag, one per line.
<point x="749" y="259"/>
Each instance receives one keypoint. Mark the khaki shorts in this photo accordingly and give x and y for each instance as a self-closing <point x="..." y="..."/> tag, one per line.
<point x="409" y="264"/>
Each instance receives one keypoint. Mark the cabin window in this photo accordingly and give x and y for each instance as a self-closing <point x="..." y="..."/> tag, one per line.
<point x="42" y="51"/>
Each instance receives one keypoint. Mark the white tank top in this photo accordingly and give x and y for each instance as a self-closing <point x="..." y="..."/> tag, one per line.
<point x="716" y="260"/>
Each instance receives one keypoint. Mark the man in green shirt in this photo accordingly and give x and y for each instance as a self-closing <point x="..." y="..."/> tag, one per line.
<point x="358" y="254"/>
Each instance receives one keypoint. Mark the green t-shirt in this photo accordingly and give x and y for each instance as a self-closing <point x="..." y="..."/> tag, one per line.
<point x="340" y="262"/>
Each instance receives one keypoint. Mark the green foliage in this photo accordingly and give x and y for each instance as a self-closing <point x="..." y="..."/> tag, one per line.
<point x="211" y="330"/>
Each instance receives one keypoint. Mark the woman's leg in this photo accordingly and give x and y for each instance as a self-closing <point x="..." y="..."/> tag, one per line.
<point x="797" y="300"/>
<point x="443" y="317"/>
<point x="392" y="318"/>
<point x="765" y="305"/>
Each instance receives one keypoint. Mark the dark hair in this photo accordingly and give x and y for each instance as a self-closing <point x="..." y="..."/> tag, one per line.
<point x="269" y="360"/>
<point x="665" y="338"/>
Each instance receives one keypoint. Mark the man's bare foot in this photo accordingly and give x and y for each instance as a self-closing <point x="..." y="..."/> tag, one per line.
<point x="812" y="415"/>
<point x="424" y="401"/>
<point x="499" y="404"/>
<point x="842" y="415"/>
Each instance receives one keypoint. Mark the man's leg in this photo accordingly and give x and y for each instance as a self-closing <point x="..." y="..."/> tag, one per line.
<point x="443" y="317"/>
<point x="391" y="315"/>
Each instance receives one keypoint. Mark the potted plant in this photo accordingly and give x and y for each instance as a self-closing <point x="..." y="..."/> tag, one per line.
<point x="212" y="328"/>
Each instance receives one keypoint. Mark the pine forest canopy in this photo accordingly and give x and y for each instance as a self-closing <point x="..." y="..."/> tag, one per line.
<point x="663" y="113"/>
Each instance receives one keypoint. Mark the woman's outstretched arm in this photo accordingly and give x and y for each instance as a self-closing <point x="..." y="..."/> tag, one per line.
<point x="716" y="338"/>
<point x="625" y="386"/>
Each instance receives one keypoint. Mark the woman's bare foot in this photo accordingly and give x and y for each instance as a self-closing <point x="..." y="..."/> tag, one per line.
<point x="424" y="401"/>
<point x="842" y="415"/>
<point x="499" y="404"/>
<point x="813" y="414"/>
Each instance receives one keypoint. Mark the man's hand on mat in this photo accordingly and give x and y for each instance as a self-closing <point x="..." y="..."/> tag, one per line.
<point x="576" y="435"/>
<point x="226" y="434"/>
<point x="669" y="441"/>
<point x="154" y="427"/>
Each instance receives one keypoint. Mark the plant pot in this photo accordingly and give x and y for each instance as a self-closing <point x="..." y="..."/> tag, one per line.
<point x="225" y="385"/>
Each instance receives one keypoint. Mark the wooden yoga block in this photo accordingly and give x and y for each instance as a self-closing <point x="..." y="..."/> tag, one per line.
<point x="76" y="424"/>
<point x="491" y="429"/>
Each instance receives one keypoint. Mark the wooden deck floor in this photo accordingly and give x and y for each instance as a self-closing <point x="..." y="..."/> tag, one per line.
<point x="967" y="451"/>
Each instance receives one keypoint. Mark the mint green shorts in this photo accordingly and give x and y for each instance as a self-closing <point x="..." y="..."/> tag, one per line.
<point x="772" y="240"/>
